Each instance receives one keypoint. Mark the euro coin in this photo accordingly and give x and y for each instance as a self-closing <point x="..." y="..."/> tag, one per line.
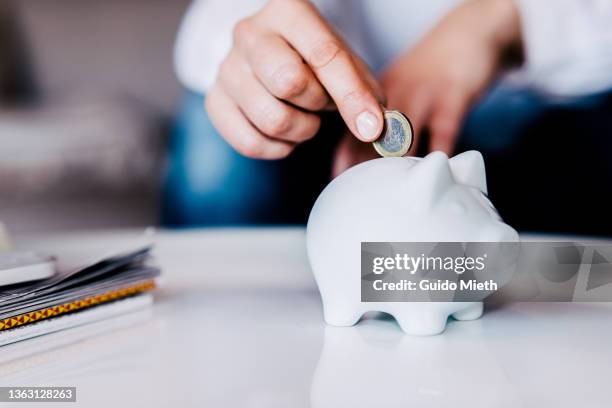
<point x="396" y="137"/>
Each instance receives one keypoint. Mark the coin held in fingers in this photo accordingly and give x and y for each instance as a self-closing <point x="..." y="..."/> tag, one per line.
<point x="397" y="135"/>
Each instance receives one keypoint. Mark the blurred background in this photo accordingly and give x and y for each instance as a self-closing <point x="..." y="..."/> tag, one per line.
<point x="88" y="98"/>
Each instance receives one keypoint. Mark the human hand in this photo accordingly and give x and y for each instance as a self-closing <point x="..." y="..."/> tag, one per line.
<point x="437" y="81"/>
<point x="286" y="64"/>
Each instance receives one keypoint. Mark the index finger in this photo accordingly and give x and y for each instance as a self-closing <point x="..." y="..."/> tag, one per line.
<point x="334" y="65"/>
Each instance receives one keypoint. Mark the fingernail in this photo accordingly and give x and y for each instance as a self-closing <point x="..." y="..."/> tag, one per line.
<point x="368" y="126"/>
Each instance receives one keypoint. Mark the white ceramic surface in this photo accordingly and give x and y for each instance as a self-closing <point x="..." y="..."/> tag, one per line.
<point x="399" y="199"/>
<point x="238" y="324"/>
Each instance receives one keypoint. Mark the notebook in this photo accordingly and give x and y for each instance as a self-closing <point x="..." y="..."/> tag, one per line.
<point x="98" y="289"/>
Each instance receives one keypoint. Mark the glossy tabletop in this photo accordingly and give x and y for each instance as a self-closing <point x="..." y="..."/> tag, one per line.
<point x="238" y="323"/>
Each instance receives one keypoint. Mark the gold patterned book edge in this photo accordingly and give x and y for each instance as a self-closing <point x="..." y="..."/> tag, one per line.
<point x="53" y="311"/>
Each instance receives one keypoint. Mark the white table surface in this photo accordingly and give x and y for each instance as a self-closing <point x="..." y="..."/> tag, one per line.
<point x="238" y="323"/>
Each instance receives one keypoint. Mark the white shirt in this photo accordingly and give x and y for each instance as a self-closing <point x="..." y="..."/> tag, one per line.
<point x="568" y="43"/>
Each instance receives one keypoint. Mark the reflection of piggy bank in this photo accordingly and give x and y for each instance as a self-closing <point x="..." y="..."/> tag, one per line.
<point x="373" y="365"/>
<point x="434" y="199"/>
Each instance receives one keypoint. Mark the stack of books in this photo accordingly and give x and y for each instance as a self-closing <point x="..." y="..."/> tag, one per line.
<point x="71" y="297"/>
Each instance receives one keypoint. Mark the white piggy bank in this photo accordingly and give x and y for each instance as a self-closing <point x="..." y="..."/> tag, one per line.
<point x="398" y="199"/>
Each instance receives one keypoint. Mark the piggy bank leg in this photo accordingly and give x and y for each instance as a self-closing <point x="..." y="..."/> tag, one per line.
<point x="339" y="313"/>
<point x="422" y="322"/>
<point x="471" y="312"/>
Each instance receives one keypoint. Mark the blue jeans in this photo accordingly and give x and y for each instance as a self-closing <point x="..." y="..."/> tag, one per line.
<point x="535" y="151"/>
<point x="209" y="183"/>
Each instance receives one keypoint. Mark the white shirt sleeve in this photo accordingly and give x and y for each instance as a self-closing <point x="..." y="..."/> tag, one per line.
<point x="568" y="45"/>
<point x="205" y="37"/>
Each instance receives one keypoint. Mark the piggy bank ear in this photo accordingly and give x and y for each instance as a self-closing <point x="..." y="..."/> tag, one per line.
<point x="469" y="169"/>
<point x="430" y="178"/>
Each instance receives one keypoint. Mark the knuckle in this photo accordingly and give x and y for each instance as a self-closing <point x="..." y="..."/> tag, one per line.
<point x="307" y="131"/>
<point x="315" y="124"/>
<point x="277" y="121"/>
<point x="275" y="3"/>
<point x="324" y="53"/>
<point x="308" y="127"/>
<point x="320" y="101"/>
<point x="311" y="129"/>
<point x="290" y="80"/>
<point x="354" y="99"/>
<point x="301" y="7"/>
<point x="250" y="147"/>
<point x="282" y="151"/>
<point x="288" y="6"/>
<point x="243" y="30"/>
